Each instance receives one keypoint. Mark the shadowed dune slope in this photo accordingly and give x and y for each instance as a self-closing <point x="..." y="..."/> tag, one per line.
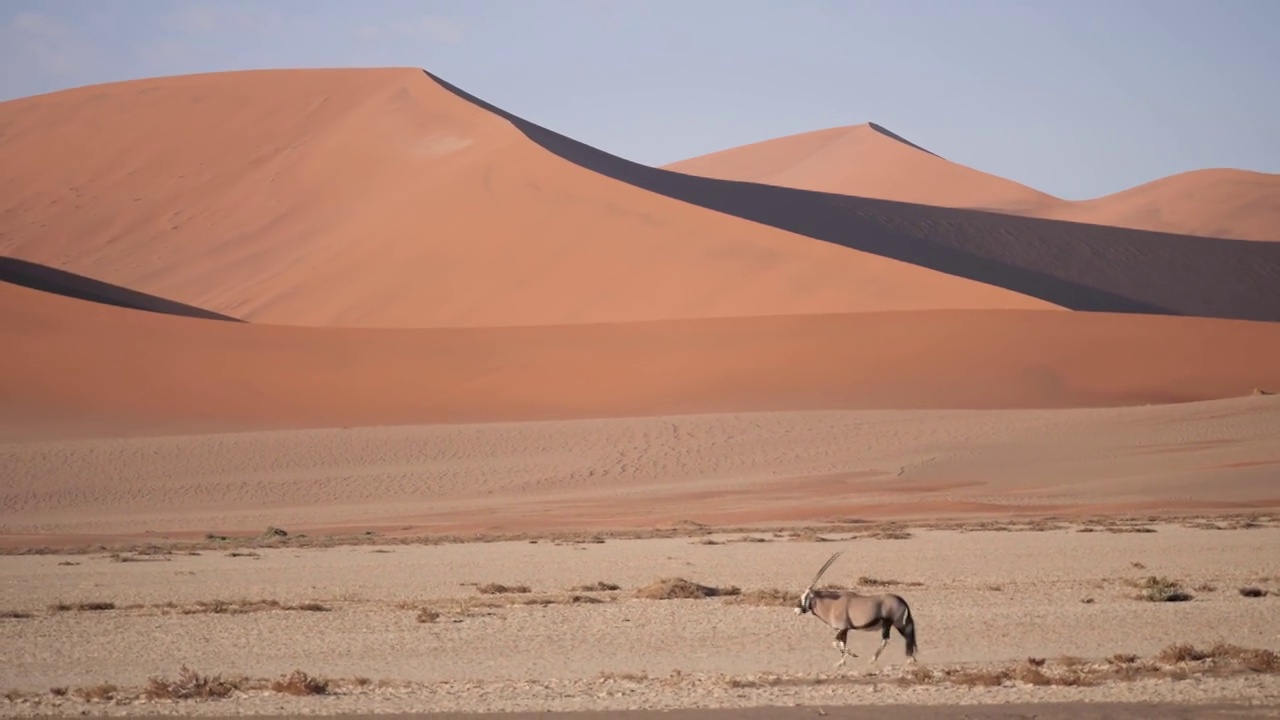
<point x="375" y="198"/>
<point x="867" y="161"/>
<point x="112" y="370"/>
<point x="39" y="277"/>
<point x="1075" y="265"/>
<point x="1218" y="202"/>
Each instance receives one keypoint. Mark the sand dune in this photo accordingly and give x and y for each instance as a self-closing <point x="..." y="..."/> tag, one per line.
<point x="1214" y="203"/>
<point x="376" y="198"/>
<point x="1074" y="265"/>
<point x="128" y="371"/>
<point x="869" y="161"/>
<point x="865" y="160"/>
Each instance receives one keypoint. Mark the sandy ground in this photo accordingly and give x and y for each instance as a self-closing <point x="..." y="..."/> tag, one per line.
<point x="981" y="599"/>
<point x="645" y="472"/>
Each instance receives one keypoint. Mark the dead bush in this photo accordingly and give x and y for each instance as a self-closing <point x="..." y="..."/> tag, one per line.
<point x="1161" y="589"/>
<point x="598" y="586"/>
<point x="681" y="589"/>
<point x="300" y="683"/>
<point x="190" y="685"/>
<point x="500" y="589"/>
<point x="765" y="597"/>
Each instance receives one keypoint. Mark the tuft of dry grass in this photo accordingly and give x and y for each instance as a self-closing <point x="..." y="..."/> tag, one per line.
<point x="300" y="683"/>
<point x="1161" y="589"/>
<point x="769" y="597"/>
<point x="91" y="606"/>
<point x="427" y="615"/>
<point x="877" y="582"/>
<point x="1253" y="592"/>
<point x="243" y="606"/>
<point x="191" y="685"/>
<point x="500" y="589"/>
<point x="681" y="589"/>
<point x="598" y="586"/>
<point x="15" y="615"/>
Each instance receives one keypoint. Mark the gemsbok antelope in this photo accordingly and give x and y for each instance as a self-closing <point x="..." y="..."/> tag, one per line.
<point x="847" y="610"/>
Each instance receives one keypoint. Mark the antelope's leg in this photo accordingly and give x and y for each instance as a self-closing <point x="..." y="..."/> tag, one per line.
<point x="840" y="644"/>
<point x="884" y="640"/>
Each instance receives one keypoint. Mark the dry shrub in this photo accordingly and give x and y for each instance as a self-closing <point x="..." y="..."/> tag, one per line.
<point x="681" y="589"/>
<point x="1253" y="592"/>
<point x="427" y="615"/>
<point x="190" y="685"/>
<point x="893" y="534"/>
<point x="1205" y="587"/>
<point x="300" y="683"/>
<point x="1254" y="659"/>
<point x="309" y="607"/>
<point x="1161" y="589"/>
<point x="766" y="597"/>
<point x="500" y="589"/>
<point x="877" y="582"/>
<point x="14" y="614"/>
<point x="808" y="536"/>
<point x="598" y="586"/>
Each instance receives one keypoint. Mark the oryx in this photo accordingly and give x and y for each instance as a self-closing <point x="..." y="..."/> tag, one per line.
<point x="847" y="610"/>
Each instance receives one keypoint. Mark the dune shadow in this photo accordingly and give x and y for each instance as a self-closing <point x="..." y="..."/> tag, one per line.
<point x="60" y="282"/>
<point x="1074" y="265"/>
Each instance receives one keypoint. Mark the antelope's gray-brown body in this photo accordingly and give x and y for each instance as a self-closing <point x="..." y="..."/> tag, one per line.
<point x="846" y="610"/>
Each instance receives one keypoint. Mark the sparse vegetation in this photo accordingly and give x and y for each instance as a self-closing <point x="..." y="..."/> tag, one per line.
<point x="598" y="586"/>
<point x="768" y="597"/>
<point x="854" y="527"/>
<point x="877" y="582"/>
<point x="427" y="615"/>
<point x="1161" y="589"/>
<point x="1253" y="592"/>
<point x="191" y="685"/>
<point x="15" y="615"/>
<point x="500" y="589"/>
<point x="678" y="588"/>
<point x="300" y="683"/>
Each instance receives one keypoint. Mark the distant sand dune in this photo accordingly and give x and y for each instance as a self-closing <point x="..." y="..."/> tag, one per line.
<point x="864" y="160"/>
<point x="1077" y="266"/>
<point x="1215" y="203"/>
<point x="375" y="198"/>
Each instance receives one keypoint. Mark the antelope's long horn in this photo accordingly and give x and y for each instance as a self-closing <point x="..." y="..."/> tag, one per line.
<point x="824" y="568"/>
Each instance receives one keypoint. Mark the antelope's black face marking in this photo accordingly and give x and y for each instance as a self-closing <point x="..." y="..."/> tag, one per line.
<point x="806" y="600"/>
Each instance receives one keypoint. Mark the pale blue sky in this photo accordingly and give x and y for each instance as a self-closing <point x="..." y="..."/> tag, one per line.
<point x="1075" y="97"/>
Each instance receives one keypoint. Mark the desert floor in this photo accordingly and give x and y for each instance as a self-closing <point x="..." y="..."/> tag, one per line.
<point x="408" y="627"/>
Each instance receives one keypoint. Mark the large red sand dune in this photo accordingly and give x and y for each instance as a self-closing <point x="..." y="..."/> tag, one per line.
<point x="870" y="161"/>
<point x="374" y="197"/>
<point x="126" y="370"/>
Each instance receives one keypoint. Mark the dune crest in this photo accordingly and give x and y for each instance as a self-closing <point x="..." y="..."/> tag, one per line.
<point x="870" y="161"/>
<point x="1216" y="202"/>
<point x="375" y="198"/>
<point x="866" y="160"/>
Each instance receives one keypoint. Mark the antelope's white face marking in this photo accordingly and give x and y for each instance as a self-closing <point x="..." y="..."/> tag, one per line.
<point x="805" y="599"/>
